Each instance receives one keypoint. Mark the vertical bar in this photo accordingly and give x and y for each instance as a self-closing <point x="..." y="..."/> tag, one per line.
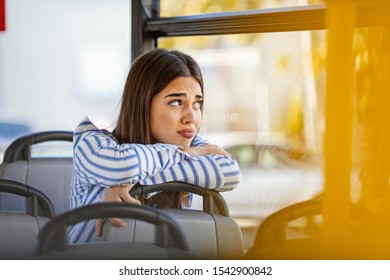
<point x="376" y="180"/>
<point x="141" y="40"/>
<point x="136" y="29"/>
<point x="338" y="134"/>
<point x="2" y="15"/>
<point x="32" y="206"/>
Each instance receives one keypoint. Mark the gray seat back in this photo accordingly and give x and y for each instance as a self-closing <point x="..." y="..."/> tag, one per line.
<point x="51" y="175"/>
<point x="210" y="236"/>
<point x="210" y="232"/>
<point x="19" y="230"/>
<point x="169" y="243"/>
<point x="19" y="234"/>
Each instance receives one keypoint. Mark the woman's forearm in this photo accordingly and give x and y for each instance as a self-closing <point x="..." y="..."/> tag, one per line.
<point x="100" y="160"/>
<point x="210" y="171"/>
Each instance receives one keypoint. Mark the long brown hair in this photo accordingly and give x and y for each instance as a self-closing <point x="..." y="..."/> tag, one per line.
<point x="150" y="74"/>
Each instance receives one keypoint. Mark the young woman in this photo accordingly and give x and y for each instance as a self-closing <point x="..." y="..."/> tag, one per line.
<point x="155" y="141"/>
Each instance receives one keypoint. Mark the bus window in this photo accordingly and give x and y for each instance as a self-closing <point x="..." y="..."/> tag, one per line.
<point x="264" y="103"/>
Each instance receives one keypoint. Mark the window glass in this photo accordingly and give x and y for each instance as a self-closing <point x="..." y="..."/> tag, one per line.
<point x="268" y="87"/>
<point x="52" y="149"/>
<point x="264" y="99"/>
<point x="60" y="61"/>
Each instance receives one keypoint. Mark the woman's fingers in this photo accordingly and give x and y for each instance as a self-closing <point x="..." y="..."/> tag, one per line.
<point x="116" y="193"/>
<point x="98" y="227"/>
<point x="117" y="222"/>
<point x="121" y="193"/>
<point x="126" y="197"/>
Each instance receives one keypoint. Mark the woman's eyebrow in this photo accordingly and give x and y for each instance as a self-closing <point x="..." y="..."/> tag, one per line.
<point x="198" y="96"/>
<point x="175" y="95"/>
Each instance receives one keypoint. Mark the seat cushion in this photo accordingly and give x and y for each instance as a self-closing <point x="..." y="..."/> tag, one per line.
<point x="19" y="233"/>
<point x="209" y="236"/>
<point x="52" y="176"/>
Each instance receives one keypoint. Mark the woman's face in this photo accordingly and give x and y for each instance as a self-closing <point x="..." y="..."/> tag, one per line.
<point x="175" y="113"/>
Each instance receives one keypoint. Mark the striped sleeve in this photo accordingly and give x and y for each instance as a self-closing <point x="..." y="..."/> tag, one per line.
<point x="211" y="171"/>
<point x="100" y="160"/>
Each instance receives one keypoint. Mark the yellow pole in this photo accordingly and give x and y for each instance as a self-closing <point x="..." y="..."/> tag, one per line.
<point x="376" y="181"/>
<point x="338" y="132"/>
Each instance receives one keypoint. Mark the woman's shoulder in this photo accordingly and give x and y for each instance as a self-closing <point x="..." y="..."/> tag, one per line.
<point x="86" y="128"/>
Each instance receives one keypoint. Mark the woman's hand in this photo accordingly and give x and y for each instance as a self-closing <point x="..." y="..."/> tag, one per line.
<point x="206" y="149"/>
<point x="115" y="194"/>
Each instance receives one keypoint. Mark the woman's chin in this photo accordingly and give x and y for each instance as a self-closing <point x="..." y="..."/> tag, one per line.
<point x="185" y="144"/>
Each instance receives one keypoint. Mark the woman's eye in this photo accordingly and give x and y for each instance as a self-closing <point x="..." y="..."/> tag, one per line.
<point x="175" y="103"/>
<point x="198" y="105"/>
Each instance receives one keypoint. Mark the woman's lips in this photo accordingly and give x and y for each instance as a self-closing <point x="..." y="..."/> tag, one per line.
<point x="187" y="133"/>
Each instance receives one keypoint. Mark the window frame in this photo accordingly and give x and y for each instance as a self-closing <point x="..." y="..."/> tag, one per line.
<point x="148" y="26"/>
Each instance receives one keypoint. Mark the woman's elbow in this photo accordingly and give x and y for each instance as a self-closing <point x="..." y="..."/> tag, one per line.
<point x="231" y="180"/>
<point x="236" y="181"/>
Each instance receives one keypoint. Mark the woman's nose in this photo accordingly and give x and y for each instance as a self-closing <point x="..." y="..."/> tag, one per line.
<point x="189" y="115"/>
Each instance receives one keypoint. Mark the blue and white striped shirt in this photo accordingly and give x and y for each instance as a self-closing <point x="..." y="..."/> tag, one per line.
<point x="100" y="162"/>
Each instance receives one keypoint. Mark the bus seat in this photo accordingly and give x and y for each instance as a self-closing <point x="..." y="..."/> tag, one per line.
<point x="19" y="230"/>
<point x="169" y="243"/>
<point x="50" y="174"/>
<point x="295" y="232"/>
<point x="211" y="233"/>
